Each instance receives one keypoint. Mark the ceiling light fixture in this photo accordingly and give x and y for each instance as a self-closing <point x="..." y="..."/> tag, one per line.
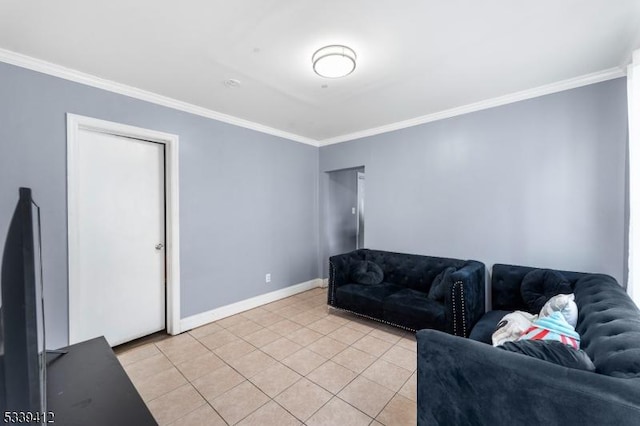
<point x="334" y="61"/>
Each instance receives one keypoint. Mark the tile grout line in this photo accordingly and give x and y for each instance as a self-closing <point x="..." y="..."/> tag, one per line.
<point x="248" y="379"/>
<point x="307" y="309"/>
<point x="206" y="401"/>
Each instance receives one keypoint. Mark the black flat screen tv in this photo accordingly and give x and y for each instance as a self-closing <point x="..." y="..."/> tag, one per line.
<point x="22" y="341"/>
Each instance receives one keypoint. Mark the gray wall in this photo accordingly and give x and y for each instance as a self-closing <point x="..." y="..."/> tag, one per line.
<point x="340" y="226"/>
<point x="539" y="182"/>
<point x="248" y="201"/>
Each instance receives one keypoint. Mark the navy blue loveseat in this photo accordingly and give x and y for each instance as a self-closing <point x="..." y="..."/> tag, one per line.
<point x="465" y="381"/>
<point x="402" y="298"/>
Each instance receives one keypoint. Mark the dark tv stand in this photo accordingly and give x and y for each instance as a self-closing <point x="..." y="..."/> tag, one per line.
<point x="88" y="386"/>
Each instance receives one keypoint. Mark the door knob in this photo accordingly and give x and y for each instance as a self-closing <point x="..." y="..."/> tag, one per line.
<point x="159" y="246"/>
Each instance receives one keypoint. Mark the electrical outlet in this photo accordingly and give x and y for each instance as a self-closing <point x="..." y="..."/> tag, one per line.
<point x="267" y="278"/>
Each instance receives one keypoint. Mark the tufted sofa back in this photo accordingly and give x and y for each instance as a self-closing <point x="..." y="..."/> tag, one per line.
<point x="505" y="286"/>
<point x="408" y="270"/>
<point x="608" y="320"/>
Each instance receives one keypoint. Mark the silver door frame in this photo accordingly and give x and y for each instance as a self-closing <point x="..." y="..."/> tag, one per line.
<point x="360" y="211"/>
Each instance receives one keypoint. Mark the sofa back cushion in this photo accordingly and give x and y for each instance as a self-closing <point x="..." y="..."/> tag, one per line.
<point x="365" y="272"/>
<point x="609" y="326"/>
<point x="410" y="270"/>
<point x="540" y="285"/>
<point x="506" y="283"/>
<point x="440" y="285"/>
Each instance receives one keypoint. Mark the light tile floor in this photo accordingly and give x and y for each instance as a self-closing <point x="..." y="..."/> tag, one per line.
<point x="290" y="362"/>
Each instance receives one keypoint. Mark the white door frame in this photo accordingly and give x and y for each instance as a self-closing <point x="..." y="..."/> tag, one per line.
<point x="172" y="223"/>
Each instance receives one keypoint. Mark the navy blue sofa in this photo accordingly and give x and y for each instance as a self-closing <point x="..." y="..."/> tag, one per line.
<point x="401" y="298"/>
<point x="467" y="381"/>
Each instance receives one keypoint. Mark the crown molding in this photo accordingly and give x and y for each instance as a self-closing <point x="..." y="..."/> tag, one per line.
<point x="547" y="89"/>
<point x="55" y="70"/>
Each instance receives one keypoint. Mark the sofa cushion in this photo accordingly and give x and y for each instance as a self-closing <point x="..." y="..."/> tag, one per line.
<point x="366" y="299"/>
<point x="486" y="325"/>
<point x="552" y="351"/>
<point x="440" y="285"/>
<point x="540" y="285"/>
<point x="365" y="272"/>
<point x="414" y="310"/>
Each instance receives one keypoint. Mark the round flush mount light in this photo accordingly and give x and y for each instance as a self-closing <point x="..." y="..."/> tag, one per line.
<point x="334" y="61"/>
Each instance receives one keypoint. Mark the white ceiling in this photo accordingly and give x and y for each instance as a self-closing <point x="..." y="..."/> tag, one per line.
<point x="415" y="57"/>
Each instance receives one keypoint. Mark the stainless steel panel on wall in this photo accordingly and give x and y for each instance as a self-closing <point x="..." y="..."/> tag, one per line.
<point x="360" y="210"/>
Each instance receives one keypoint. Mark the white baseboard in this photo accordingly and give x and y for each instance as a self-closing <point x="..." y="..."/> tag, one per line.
<point x="325" y="283"/>
<point x="203" y="318"/>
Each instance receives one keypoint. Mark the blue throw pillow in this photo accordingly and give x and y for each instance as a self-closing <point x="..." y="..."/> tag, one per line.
<point x="440" y="285"/>
<point x="552" y="351"/>
<point x="540" y="285"/>
<point x="366" y="272"/>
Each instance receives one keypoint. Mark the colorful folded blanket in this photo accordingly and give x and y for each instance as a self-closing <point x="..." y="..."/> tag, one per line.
<point x="553" y="327"/>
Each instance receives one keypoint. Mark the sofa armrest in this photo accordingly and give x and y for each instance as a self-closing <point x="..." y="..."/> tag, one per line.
<point x="465" y="298"/>
<point x="339" y="266"/>
<point x="461" y="381"/>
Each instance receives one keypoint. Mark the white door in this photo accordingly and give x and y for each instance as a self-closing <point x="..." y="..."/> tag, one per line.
<point x="120" y="239"/>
